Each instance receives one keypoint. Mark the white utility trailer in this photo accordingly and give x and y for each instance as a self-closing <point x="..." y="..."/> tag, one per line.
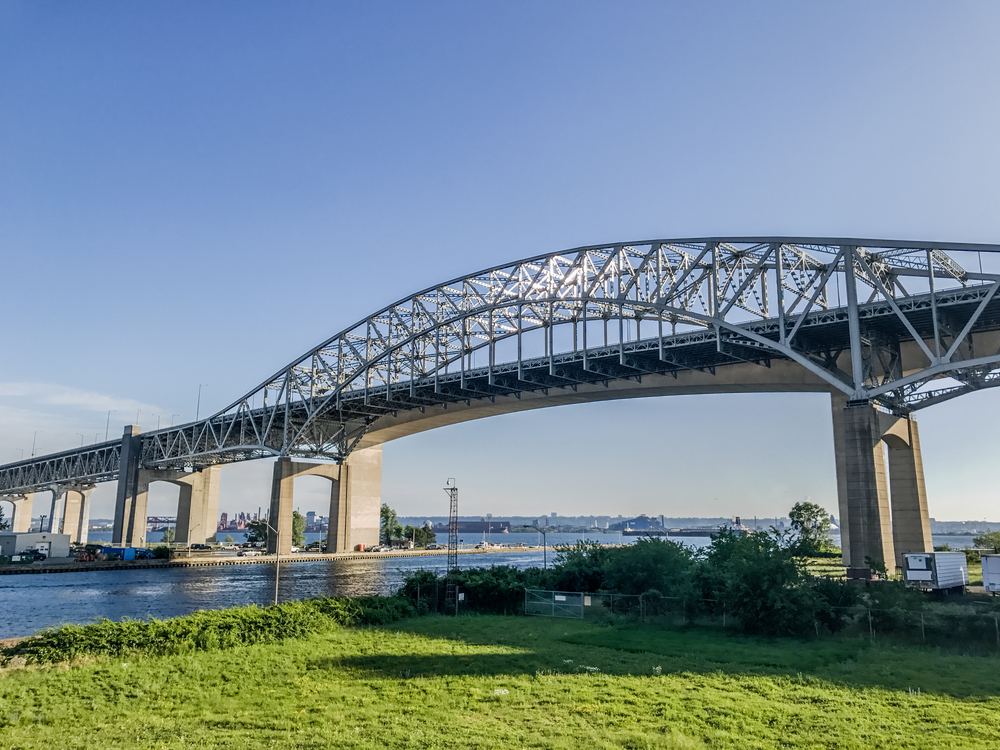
<point x="934" y="571"/>
<point x="991" y="572"/>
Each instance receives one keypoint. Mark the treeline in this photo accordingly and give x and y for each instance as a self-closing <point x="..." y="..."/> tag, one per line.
<point x="759" y="580"/>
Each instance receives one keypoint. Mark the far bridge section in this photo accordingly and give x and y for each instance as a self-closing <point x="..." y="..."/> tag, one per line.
<point x="885" y="327"/>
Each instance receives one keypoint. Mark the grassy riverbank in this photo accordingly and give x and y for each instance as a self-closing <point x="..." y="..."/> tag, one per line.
<point x="511" y="682"/>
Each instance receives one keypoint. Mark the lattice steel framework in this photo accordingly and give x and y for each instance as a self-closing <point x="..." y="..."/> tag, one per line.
<point x="878" y="320"/>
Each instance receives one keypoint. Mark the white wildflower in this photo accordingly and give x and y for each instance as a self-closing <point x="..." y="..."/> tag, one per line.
<point x="501" y="691"/>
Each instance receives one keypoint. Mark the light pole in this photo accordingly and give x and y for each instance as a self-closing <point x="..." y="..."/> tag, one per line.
<point x="197" y="410"/>
<point x="107" y="426"/>
<point x="41" y="524"/>
<point x="80" y="435"/>
<point x="545" y="546"/>
<point x="489" y="529"/>
<point x="34" y="437"/>
<point x="22" y="453"/>
<point x="97" y="437"/>
<point x="172" y="419"/>
<point x="157" y="420"/>
<point x="277" y="559"/>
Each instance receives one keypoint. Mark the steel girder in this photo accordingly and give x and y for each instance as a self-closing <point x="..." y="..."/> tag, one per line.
<point x="844" y="309"/>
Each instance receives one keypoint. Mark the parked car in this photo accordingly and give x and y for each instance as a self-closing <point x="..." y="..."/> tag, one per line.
<point x="295" y="549"/>
<point x="229" y="546"/>
<point x="434" y="545"/>
<point x="251" y="552"/>
<point x="201" y="546"/>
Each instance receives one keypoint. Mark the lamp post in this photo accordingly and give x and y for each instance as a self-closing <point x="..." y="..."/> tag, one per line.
<point x="41" y="524"/>
<point x="107" y="426"/>
<point x="33" y="438"/>
<point x="80" y="435"/>
<point x="277" y="559"/>
<point x="545" y="546"/>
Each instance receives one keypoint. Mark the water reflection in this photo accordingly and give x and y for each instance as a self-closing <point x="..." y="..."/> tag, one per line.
<point x="32" y="602"/>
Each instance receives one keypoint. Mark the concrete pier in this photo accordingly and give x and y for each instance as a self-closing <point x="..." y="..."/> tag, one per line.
<point x="355" y="500"/>
<point x="883" y="509"/>
<point x="20" y="520"/>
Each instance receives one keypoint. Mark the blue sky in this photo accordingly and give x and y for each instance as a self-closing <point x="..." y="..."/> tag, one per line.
<point x="199" y="192"/>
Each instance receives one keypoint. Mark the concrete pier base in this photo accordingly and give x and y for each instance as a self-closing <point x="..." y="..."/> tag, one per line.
<point x="355" y="500"/>
<point x="197" y="505"/>
<point x="76" y="515"/>
<point x="20" y="520"/>
<point x="883" y="511"/>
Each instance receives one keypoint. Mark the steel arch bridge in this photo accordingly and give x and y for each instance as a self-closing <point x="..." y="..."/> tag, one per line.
<point x="899" y="325"/>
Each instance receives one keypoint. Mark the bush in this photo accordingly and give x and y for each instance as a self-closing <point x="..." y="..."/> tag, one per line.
<point x="209" y="629"/>
<point x="761" y="584"/>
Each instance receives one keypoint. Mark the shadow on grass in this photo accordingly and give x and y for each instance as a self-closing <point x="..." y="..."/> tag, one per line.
<point x="534" y="646"/>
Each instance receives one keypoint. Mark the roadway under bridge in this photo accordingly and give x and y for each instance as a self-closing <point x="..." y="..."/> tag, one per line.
<point x="885" y="327"/>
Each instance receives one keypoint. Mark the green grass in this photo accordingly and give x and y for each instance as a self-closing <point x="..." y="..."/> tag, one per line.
<point x="512" y="682"/>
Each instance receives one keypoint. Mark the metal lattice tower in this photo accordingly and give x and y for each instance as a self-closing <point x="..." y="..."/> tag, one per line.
<point x="451" y="588"/>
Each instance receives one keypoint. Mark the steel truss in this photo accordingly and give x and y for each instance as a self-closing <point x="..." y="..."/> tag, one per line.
<point x="877" y="320"/>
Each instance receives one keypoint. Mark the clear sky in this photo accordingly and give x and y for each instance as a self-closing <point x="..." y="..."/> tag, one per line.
<point x="197" y="193"/>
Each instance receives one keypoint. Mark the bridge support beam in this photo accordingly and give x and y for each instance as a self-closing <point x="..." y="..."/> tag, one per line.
<point x="872" y="527"/>
<point x="128" y="487"/>
<point x="76" y="515"/>
<point x="197" y="505"/>
<point x="57" y="510"/>
<point x="20" y="521"/>
<point x="355" y="500"/>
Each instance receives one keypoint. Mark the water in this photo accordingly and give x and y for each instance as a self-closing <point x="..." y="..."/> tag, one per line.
<point x="32" y="602"/>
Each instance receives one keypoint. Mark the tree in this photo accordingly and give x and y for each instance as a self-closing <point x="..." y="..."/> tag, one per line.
<point x="257" y="530"/>
<point x="390" y="527"/>
<point x="988" y="540"/>
<point x="298" y="529"/>
<point x="811" y="526"/>
<point x="4" y="525"/>
<point x="421" y="536"/>
<point x="169" y="535"/>
<point x="229" y="539"/>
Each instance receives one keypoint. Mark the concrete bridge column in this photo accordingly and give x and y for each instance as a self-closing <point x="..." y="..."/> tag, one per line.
<point x="57" y="510"/>
<point x="83" y="517"/>
<point x="76" y="516"/>
<point x="128" y="487"/>
<point x="911" y="524"/>
<point x="197" y="506"/>
<point x="355" y="499"/>
<point x="870" y="528"/>
<point x="359" y="512"/>
<point x="20" y="521"/>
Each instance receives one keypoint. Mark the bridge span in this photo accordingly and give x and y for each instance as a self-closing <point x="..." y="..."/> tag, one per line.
<point x="885" y="327"/>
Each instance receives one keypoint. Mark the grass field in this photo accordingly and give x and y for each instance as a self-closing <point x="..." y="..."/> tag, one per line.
<point x="512" y="682"/>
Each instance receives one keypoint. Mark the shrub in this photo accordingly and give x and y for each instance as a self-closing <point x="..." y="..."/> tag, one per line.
<point x="209" y="629"/>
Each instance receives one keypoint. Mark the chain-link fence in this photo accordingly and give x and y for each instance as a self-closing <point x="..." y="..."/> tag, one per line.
<point x="944" y="625"/>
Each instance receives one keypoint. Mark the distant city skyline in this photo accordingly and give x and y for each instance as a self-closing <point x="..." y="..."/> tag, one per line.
<point x="182" y="215"/>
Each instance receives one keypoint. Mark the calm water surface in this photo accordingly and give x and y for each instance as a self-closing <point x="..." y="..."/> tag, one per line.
<point x="32" y="602"/>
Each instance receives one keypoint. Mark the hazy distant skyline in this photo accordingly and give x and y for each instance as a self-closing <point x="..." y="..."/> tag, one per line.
<point x="198" y="193"/>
